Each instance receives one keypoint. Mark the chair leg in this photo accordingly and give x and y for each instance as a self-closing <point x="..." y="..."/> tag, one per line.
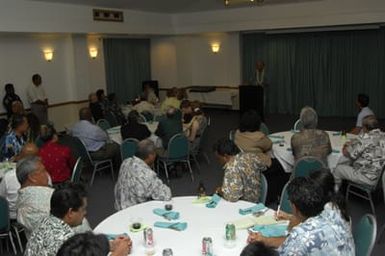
<point x="371" y="202"/>
<point x="12" y="243"/>
<point x="196" y="162"/>
<point x="347" y="193"/>
<point x="189" y="167"/>
<point x="93" y="176"/>
<point x="166" y="171"/>
<point x="15" y="229"/>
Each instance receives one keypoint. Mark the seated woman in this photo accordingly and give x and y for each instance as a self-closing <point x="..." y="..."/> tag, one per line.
<point x="96" y="108"/>
<point x="173" y="98"/>
<point x="250" y="139"/>
<point x="15" y="139"/>
<point x="57" y="159"/>
<point x="114" y="107"/>
<point x="186" y="110"/>
<point x="133" y="129"/>
<point x="194" y="129"/>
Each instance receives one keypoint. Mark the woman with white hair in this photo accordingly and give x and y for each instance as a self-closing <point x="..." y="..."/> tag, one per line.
<point x="310" y="141"/>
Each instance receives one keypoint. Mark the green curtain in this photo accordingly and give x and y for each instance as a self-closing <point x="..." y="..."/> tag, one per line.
<point x="325" y="70"/>
<point x="127" y="63"/>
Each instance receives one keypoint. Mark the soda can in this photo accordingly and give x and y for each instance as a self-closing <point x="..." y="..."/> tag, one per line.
<point x="230" y="232"/>
<point x="207" y="246"/>
<point x="167" y="252"/>
<point x="148" y="238"/>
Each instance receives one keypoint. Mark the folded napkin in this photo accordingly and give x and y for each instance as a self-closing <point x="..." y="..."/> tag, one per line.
<point x="289" y="149"/>
<point x="142" y="227"/>
<point x="278" y="141"/>
<point x="337" y="133"/>
<point x="214" y="201"/>
<point x="295" y="131"/>
<point x="179" y="226"/>
<point x="169" y="215"/>
<point x="275" y="230"/>
<point x="113" y="236"/>
<point x="335" y="151"/>
<point x="276" y="136"/>
<point x="202" y="200"/>
<point x="256" y="208"/>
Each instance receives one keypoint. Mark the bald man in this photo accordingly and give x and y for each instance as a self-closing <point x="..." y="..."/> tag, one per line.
<point x="9" y="185"/>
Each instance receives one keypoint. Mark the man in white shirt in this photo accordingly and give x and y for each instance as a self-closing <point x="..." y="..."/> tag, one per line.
<point x="10" y="185"/>
<point x="38" y="99"/>
<point x="362" y="103"/>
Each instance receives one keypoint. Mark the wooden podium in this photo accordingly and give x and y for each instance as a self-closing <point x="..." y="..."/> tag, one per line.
<point x="251" y="97"/>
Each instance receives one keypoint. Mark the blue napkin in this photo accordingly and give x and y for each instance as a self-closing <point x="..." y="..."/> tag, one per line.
<point x="335" y="151"/>
<point x="169" y="215"/>
<point x="295" y="131"/>
<point x="278" y="141"/>
<point x="276" y="136"/>
<point x="256" y="208"/>
<point x="114" y="236"/>
<point x="214" y="201"/>
<point x="289" y="149"/>
<point x="275" y="230"/>
<point x="179" y="226"/>
<point x="337" y="133"/>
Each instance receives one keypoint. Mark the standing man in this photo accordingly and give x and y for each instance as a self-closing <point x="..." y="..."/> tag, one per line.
<point x="37" y="99"/>
<point x="261" y="82"/>
<point x="362" y="104"/>
<point x="260" y="73"/>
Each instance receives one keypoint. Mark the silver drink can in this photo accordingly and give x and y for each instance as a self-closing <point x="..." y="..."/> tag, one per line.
<point x="148" y="238"/>
<point x="167" y="252"/>
<point x="207" y="246"/>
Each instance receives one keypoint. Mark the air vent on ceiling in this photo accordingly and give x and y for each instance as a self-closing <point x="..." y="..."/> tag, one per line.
<point x="108" y="15"/>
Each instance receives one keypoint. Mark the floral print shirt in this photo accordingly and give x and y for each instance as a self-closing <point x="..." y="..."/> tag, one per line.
<point x="48" y="237"/>
<point x="325" y="234"/>
<point x="242" y="178"/>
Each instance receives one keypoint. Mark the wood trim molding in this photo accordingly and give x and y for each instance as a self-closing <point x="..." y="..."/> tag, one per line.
<point x="217" y="87"/>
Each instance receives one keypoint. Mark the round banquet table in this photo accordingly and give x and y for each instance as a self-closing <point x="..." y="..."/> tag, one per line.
<point x="115" y="135"/>
<point x="201" y="221"/>
<point x="282" y="148"/>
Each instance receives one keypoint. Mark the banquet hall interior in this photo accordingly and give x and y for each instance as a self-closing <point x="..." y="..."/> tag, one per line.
<point x="317" y="53"/>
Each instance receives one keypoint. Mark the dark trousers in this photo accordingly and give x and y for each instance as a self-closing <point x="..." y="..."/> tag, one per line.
<point x="108" y="151"/>
<point x="276" y="179"/>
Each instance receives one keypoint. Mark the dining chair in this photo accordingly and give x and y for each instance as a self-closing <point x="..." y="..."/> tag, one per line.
<point x="128" y="148"/>
<point x="364" y="191"/>
<point x="264" y="189"/>
<point x="111" y="119"/>
<point x="364" y="235"/>
<point x="77" y="171"/>
<point x="382" y="230"/>
<point x="284" y="201"/>
<point x="177" y="151"/>
<point x="306" y="165"/>
<point x="298" y="125"/>
<point x="5" y="225"/>
<point x="264" y="129"/>
<point x="98" y="165"/>
<point x="104" y="124"/>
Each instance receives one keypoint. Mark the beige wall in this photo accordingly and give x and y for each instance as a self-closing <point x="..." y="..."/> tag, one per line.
<point x="188" y="60"/>
<point x="66" y="115"/>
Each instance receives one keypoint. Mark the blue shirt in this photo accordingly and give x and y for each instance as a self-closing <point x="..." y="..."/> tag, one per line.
<point x="12" y="145"/>
<point x="326" y="234"/>
<point x="93" y="137"/>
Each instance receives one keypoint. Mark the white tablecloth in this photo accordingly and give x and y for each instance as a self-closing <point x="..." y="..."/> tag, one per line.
<point x="201" y="221"/>
<point x="5" y="167"/>
<point x="282" y="151"/>
<point x="115" y="135"/>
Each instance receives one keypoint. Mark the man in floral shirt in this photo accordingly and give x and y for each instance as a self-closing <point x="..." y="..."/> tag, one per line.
<point x="137" y="182"/>
<point x="364" y="157"/>
<point x="242" y="172"/>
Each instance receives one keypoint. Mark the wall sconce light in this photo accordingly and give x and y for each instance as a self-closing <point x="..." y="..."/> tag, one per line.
<point x="48" y="55"/>
<point x="93" y="53"/>
<point x="215" y="48"/>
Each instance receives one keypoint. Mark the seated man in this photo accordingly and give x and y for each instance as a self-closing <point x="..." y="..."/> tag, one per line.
<point x="317" y="233"/>
<point x="362" y="104"/>
<point x="242" y="172"/>
<point x="14" y="140"/>
<point x="169" y="126"/>
<point x="95" y="139"/>
<point x="310" y="141"/>
<point x="95" y="245"/>
<point x="68" y="208"/>
<point x="258" y="249"/>
<point x="173" y="98"/>
<point x="363" y="157"/>
<point x="134" y="129"/>
<point x="57" y="158"/>
<point x="137" y="182"/>
<point x="33" y="202"/>
<point x="9" y="185"/>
